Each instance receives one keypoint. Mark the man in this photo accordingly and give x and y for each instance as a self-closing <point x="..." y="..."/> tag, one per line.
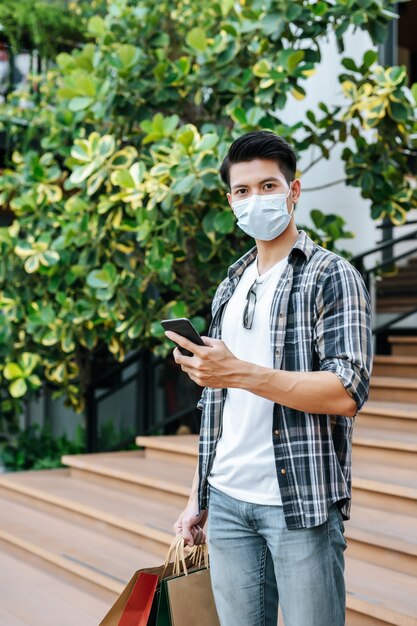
<point x="285" y="370"/>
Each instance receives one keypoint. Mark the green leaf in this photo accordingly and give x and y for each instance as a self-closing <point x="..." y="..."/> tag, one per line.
<point x="262" y="68"/>
<point x="224" y="222"/>
<point x="239" y="115"/>
<point x="196" y="39"/>
<point x="369" y="58"/>
<point x="80" y="103"/>
<point x="12" y="371"/>
<point x="207" y="142"/>
<point x="106" y="145"/>
<point x="291" y="58"/>
<point x="32" y="263"/>
<point x="35" y="381"/>
<point x="399" y="111"/>
<point x="320" y="8"/>
<point x="82" y="173"/>
<point x="96" y="26"/>
<point x="49" y="258"/>
<point x="128" y="55"/>
<point x="254" y="116"/>
<point x="349" y="64"/>
<point x="18" y="388"/>
<point x="122" y="178"/>
<point x="184" y="185"/>
<point x="102" y="278"/>
<point x="367" y="181"/>
<point x="226" y="6"/>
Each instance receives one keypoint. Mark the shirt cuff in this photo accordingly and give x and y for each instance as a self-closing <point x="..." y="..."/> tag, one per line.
<point x="353" y="378"/>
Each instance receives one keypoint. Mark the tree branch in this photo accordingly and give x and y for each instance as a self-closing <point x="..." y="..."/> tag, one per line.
<point x="335" y="182"/>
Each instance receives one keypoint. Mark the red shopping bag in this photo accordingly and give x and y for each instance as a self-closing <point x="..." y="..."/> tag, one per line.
<point x="139" y="605"/>
<point x="133" y="606"/>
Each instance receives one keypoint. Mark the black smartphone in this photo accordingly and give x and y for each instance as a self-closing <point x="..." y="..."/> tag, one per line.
<point x="183" y="327"/>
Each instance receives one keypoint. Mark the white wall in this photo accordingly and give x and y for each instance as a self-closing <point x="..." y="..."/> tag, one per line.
<point x="346" y="201"/>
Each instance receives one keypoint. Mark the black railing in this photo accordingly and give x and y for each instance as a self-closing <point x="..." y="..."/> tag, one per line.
<point x="389" y="259"/>
<point x="358" y="260"/>
<point x="113" y="381"/>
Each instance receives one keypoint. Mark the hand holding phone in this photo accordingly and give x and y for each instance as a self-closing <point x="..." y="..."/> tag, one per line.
<point x="182" y="326"/>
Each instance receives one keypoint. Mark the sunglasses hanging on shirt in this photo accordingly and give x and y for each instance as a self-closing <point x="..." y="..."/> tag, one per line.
<point x="249" y="311"/>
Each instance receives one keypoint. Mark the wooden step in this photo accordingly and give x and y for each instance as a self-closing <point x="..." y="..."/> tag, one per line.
<point x="385" y="538"/>
<point x="379" y="593"/>
<point x="395" y="365"/>
<point x="30" y="597"/>
<point x="405" y="277"/>
<point x="393" y="389"/>
<point x="389" y="416"/>
<point x="134" y="473"/>
<point x="171" y="449"/>
<point x="86" y="554"/>
<point x="384" y="446"/>
<point x="143" y="522"/>
<point x="381" y="486"/>
<point x="403" y="345"/>
<point x="395" y="304"/>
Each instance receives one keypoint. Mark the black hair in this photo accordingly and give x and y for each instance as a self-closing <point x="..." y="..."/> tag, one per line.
<point x="260" y="144"/>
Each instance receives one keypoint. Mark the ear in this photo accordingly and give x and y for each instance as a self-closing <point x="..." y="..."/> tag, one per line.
<point x="229" y="199"/>
<point x="295" y="190"/>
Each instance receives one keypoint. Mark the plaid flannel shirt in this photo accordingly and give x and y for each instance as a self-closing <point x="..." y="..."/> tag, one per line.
<point x="320" y="319"/>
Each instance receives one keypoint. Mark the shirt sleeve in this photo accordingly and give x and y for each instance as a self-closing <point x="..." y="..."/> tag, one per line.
<point x="343" y="331"/>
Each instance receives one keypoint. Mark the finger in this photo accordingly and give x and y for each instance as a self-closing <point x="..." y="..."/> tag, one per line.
<point x="183" y="342"/>
<point x="210" y="342"/>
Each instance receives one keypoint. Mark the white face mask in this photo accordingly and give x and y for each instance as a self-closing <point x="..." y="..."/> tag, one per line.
<point x="263" y="217"/>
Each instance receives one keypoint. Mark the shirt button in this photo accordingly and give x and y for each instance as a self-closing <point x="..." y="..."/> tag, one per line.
<point x="281" y="315"/>
<point x="283" y="472"/>
<point x="277" y="352"/>
<point x="276" y="432"/>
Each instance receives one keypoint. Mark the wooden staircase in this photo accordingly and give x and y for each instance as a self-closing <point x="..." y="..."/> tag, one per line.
<point x="70" y="538"/>
<point x="397" y="291"/>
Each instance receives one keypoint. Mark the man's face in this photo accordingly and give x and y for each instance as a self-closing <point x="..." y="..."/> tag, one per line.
<point x="261" y="177"/>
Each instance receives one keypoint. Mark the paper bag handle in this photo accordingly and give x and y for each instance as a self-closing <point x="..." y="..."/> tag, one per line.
<point x="197" y="555"/>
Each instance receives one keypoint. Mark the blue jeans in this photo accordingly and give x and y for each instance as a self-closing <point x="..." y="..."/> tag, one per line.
<point x="256" y="563"/>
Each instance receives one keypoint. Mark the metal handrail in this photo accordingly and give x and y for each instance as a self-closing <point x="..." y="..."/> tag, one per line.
<point x="389" y="261"/>
<point x="381" y="246"/>
<point x="397" y="318"/>
<point x="397" y="225"/>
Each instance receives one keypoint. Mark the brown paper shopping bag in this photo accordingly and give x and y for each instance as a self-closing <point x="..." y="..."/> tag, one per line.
<point x="187" y="599"/>
<point x="141" y="602"/>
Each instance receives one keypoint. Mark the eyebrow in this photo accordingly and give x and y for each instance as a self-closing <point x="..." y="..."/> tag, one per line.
<point x="261" y="182"/>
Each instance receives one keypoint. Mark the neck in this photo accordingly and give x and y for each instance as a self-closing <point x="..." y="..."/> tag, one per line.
<point x="270" y="252"/>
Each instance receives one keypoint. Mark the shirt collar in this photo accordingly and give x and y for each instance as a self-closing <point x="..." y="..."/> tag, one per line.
<point x="304" y="245"/>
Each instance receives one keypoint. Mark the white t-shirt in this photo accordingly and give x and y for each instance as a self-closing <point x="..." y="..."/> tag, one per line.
<point x="244" y="463"/>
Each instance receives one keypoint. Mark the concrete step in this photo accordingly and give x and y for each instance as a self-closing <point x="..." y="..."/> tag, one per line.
<point x="402" y="366"/>
<point x="31" y="597"/>
<point x="393" y="389"/>
<point x="143" y="522"/>
<point x="403" y="345"/>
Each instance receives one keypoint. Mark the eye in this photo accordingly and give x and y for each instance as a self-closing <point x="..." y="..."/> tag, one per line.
<point x="269" y="186"/>
<point x="238" y="192"/>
